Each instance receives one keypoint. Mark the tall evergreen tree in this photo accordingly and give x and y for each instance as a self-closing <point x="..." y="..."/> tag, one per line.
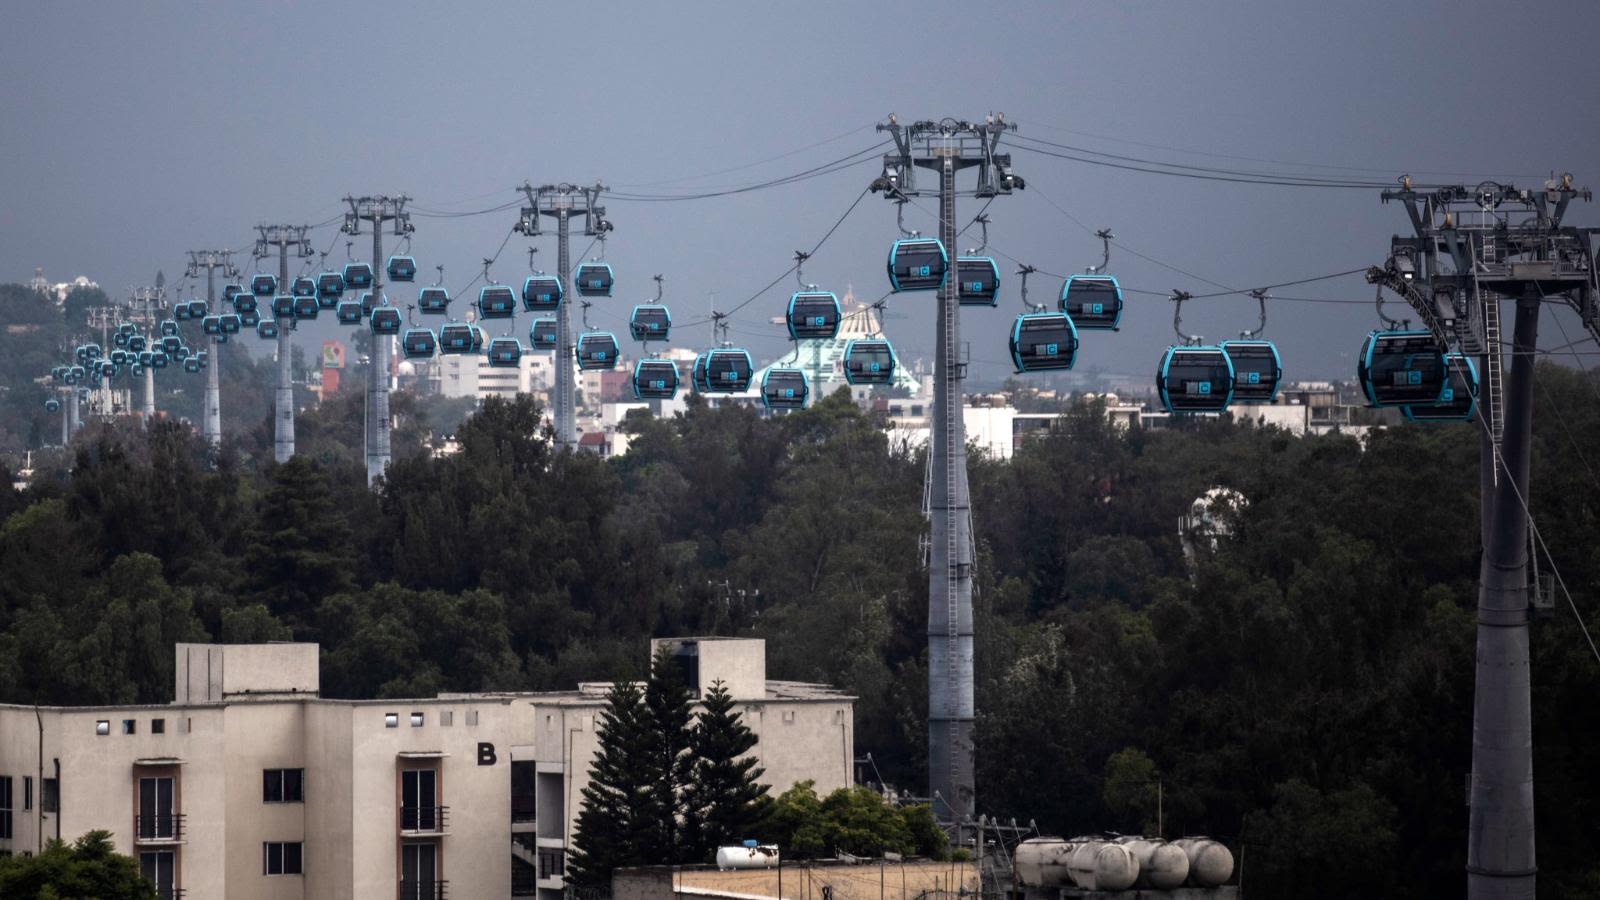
<point x="667" y="766"/>
<point x="607" y="832"/>
<point x="723" y="803"/>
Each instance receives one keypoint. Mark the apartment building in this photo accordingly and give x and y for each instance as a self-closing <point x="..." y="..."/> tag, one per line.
<point x="250" y="785"/>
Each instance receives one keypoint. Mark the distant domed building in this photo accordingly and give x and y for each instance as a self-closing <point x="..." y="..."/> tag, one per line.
<point x="59" y="291"/>
<point x="823" y="359"/>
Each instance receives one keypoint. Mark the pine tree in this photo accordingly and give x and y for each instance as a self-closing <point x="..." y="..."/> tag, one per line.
<point x="723" y="802"/>
<point x="667" y="766"/>
<point x="607" y="832"/>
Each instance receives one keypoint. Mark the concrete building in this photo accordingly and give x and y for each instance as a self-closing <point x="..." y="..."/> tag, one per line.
<point x="251" y="785"/>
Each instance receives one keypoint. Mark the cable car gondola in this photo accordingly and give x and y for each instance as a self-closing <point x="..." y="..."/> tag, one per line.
<point x="193" y="365"/>
<point x="120" y="340"/>
<point x="418" y="343"/>
<point x="180" y="312"/>
<point x="249" y="319"/>
<point x="304" y="286"/>
<point x="198" y="309"/>
<point x="370" y="302"/>
<point x="433" y="301"/>
<point x="52" y="405"/>
<point x="1195" y="380"/>
<point x="1458" y="402"/>
<point x="455" y="337"/>
<point x="697" y="374"/>
<point x="304" y="308"/>
<point x="263" y="284"/>
<point x="728" y="370"/>
<point x="917" y="264"/>
<point x="496" y="301"/>
<point x="542" y="334"/>
<point x="595" y="279"/>
<point x="402" y="269"/>
<point x="505" y="353"/>
<point x="1401" y="368"/>
<point x="785" y="389"/>
<point x="170" y="345"/>
<point x="348" y="312"/>
<point x="357" y="276"/>
<point x="267" y="330"/>
<point x="596" y="350"/>
<point x="655" y="379"/>
<point x="978" y="281"/>
<point x="158" y="360"/>
<point x="868" y="361"/>
<point x="1257" y="370"/>
<point x="229" y="323"/>
<point x="1093" y="301"/>
<point x="650" y="322"/>
<point x="813" y="315"/>
<point x="477" y="338"/>
<point x="330" y="286"/>
<point x="283" y="305"/>
<point x="243" y="303"/>
<point x="385" y="321"/>
<point x="179" y="353"/>
<point x="211" y="325"/>
<point x="542" y="293"/>
<point x="168" y="327"/>
<point x="1043" y="342"/>
<point x="119" y="356"/>
<point x="138" y="343"/>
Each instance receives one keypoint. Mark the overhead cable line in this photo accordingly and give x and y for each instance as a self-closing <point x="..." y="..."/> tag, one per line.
<point x="759" y="162"/>
<point x="837" y="165"/>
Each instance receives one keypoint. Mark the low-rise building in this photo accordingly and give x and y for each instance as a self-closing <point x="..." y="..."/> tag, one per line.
<point x="251" y="785"/>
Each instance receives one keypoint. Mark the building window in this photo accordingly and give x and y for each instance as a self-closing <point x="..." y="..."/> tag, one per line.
<point x="281" y="858"/>
<point x="472" y="717"/>
<point x="283" y="786"/>
<point x="130" y="726"/>
<point x="391" y="720"/>
<point x="157" y="866"/>
<point x="5" y="807"/>
<point x="158" y="818"/>
<point x="27" y="792"/>
<point x="447" y="718"/>
<point x="102" y="727"/>
<point x="158" y="726"/>
<point x="49" y="795"/>
<point x="416" y="720"/>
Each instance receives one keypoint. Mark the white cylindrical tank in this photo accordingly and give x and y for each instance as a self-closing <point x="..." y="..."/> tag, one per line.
<point x="1210" y="863"/>
<point x="1100" y="865"/>
<point x="1161" y="865"/>
<point x="1042" y="862"/>
<point x="764" y="856"/>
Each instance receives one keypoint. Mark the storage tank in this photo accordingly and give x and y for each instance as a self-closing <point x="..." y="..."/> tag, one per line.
<point x="1042" y="862"/>
<point x="749" y="856"/>
<point x="1161" y="865"/>
<point x="1100" y="865"/>
<point x="1210" y="863"/>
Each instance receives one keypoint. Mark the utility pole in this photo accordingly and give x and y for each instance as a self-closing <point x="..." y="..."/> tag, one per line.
<point x="210" y="261"/>
<point x="947" y="147"/>
<point x="376" y="211"/>
<point x="561" y="202"/>
<point x="146" y="306"/>
<point x="283" y="237"/>
<point x="1472" y="249"/>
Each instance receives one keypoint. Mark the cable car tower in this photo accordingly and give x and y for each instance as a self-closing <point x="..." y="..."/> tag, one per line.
<point x="376" y="211"/>
<point x="211" y="411"/>
<point x="1471" y="249"/>
<point x="561" y="202"/>
<point x="147" y="306"/>
<point x="947" y="147"/>
<point x="284" y="238"/>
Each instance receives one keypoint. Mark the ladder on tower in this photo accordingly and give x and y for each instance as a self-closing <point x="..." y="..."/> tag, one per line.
<point x="1490" y="306"/>
<point x="952" y="411"/>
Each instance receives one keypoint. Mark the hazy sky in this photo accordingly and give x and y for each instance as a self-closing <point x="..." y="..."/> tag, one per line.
<point x="130" y="133"/>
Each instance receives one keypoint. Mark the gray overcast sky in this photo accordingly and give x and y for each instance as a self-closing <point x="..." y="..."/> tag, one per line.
<point x="130" y="133"/>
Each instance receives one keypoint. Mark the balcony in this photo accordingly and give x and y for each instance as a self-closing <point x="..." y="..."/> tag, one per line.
<point x="552" y="864"/>
<point x="423" y="890"/>
<point x="166" y="829"/>
<point x="169" y="893"/>
<point x="424" y="820"/>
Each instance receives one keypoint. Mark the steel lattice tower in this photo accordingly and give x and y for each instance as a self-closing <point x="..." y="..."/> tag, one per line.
<point x="283" y="237"/>
<point x="376" y="211"/>
<point x="211" y="413"/>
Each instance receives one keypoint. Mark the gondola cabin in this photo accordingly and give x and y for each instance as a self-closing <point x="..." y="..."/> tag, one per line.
<point x="283" y="305"/>
<point x="250" y="318"/>
<point x="357" y="276"/>
<point x="330" y="285"/>
<point x="868" y="361"/>
<point x="52" y="405"/>
<point x="814" y="315"/>
<point x="784" y="389"/>
<point x="402" y="269"/>
<point x="977" y="281"/>
<point x="211" y="325"/>
<point x="179" y="353"/>
<point x="120" y="357"/>
<point x="170" y="345"/>
<point x="229" y="323"/>
<point x="595" y="279"/>
<point x="193" y="365"/>
<point x="917" y="264"/>
<point x="267" y="330"/>
<point x="198" y="309"/>
<point x="304" y="286"/>
<point x="505" y="353"/>
<point x="1093" y="301"/>
<point x="371" y="301"/>
<point x="455" y="337"/>
<point x="1257" y="370"/>
<point x="655" y="379"/>
<point x="263" y="284"/>
<point x="697" y="374"/>
<point x="385" y="321"/>
<point x="168" y="327"/>
<point x="542" y="334"/>
<point x="348" y="312"/>
<point x="204" y="357"/>
<point x="497" y="301"/>
<point x="650" y="322"/>
<point x="1458" y="402"/>
<point x="477" y="338"/>
<point x="243" y="303"/>
<point x="158" y="360"/>
<point x="75" y="375"/>
<point x="1401" y="368"/>
<point x="596" y="350"/>
<point x="180" y="312"/>
<point x="418" y="343"/>
<point x="137" y="343"/>
<point x="1043" y="342"/>
<point x="728" y="370"/>
<point x="1195" y="380"/>
<point x="304" y="308"/>
<point x="119" y="340"/>
<point x="542" y="293"/>
<point x="433" y="301"/>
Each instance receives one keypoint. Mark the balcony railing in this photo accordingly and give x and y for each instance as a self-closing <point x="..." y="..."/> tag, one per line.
<point x="169" y="893"/>
<point x="422" y="890"/>
<point x="427" y="819"/>
<point x="151" y="829"/>
<point x="552" y="862"/>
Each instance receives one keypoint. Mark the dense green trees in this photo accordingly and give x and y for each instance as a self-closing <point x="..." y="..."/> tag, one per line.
<point x="1321" y="659"/>
<point x="87" y="869"/>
